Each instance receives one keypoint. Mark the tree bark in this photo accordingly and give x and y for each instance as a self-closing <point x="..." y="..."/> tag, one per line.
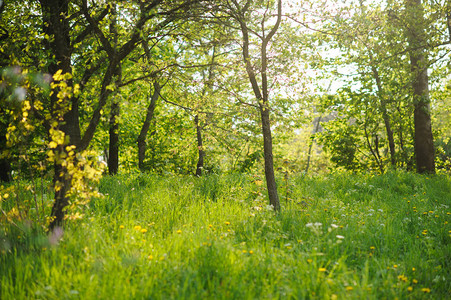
<point x="5" y="165"/>
<point x="146" y="125"/>
<point x="57" y="27"/>
<point x="200" y="161"/>
<point x="312" y="139"/>
<point x="262" y="97"/>
<point x="113" y="150"/>
<point x="385" y="117"/>
<point x="424" y="142"/>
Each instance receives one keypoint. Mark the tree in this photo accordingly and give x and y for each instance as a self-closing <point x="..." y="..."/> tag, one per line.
<point x="248" y="24"/>
<point x="416" y="34"/>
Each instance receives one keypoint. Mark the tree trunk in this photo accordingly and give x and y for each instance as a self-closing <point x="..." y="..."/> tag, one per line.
<point x="113" y="150"/>
<point x="57" y="27"/>
<point x="200" y="161"/>
<point x="262" y="97"/>
<point x="5" y="165"/>
<point x="312" y="139"/>
<point x="146" y="125"/>
<point x="5" y="170"/>
<point x="269" y="163"/>
<point x="424" y="142"/>
<point x="385" y="117"/>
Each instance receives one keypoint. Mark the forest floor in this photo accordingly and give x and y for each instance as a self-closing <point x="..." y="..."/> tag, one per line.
<point x="339" y="236"/>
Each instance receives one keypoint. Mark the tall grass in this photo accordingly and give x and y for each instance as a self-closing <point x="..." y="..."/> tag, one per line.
<point x="151" y="237"/>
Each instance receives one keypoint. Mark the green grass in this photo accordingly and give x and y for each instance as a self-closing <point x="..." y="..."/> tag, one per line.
<point x="153" y="237"/>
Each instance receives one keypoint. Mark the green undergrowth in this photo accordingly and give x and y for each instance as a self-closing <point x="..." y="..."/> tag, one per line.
<point x="339" y="236"/>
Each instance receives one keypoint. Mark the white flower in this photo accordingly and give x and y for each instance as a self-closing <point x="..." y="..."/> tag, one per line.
<point x="333" y="226"/>
<point x="340" y="237"/>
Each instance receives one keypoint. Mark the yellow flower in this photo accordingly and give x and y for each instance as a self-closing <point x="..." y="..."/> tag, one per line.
<point x="413" y="269"/>
<point x="150" y="257"/>
<point x="426" y="290"/>
<point x="122" y="227"/>
<point x="395" y="266"/>
<point x="322" y="269"/>
<point x="410" y="288"/>
<point x="137" y="227"/>
<point x="179" y="231"/>
<point x="144" y="230"/>
<point x="414" y="281"/>
<point x="372" y="248"/>
<point x="251" y="252"/>
<point x="349" y="288"/>
<point x="227" y="223"/>
<point x="210" y="226"/>
<point x="309" y="260"/>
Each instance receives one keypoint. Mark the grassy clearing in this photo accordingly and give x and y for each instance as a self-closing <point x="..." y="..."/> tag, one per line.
<point x="150" y="237"/>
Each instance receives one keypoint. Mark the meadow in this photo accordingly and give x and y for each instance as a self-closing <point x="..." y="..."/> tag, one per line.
<point x="338" y="236"/>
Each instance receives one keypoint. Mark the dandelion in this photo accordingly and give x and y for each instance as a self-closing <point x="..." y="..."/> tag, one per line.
<point x="410" y="289"/>
<point x="395" y="266"/>
<point x="122" y="227"/>
<point x="227" y="223"/>
<point x="372" y="248"/>
<point x="137" y="227"/>
<point x="150" y="257"/>
<point x="210" y="226"/>
<point x="179" y="231"/>
<point x="322" y="269"/>
<point x="143" y="230"/>
<point x="349" y="288"/>
<point x="402" y="278"/>
<point x="414" y="281"/>
<point x="251" y="252"/>
<point x="244" y="251"/>
<point x="426" y="290"/>
<point x="309" y="260"/>
<point x="413" y="269"/>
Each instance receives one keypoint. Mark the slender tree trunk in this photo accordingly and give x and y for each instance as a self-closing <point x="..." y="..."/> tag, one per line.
<point x="424" y="142"/>
<point x="5" y="166"/>
<point x="146" y="125"/>
<point x="262" y="96"/>
<point x="375" y="154"/>
<point x="200" y="161"/>
<point x="312" y="139"/>
<point x="5" y="170"/>
<point x="269" y="162"/>
<point x="113" y="157"/>
<point x="385" y="117"/>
